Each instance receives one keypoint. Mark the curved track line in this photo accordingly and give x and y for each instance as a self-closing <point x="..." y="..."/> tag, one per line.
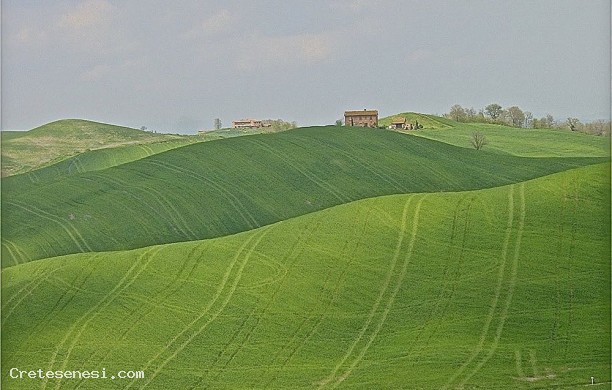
<point x="26" y="291"/>
<point x="391" y="300"/>
<point x="358" y="234"/>
<point x="500" y="279"/>
<point x="213" y="316"/>
<point x="15" y="253"/>
<point x="130" y="276"/>
<point x="333" y="377"/>
<point x="54" y="218"/>
<point x="310" y="176"/>
<point x="240" y="208"/>
<point x="511" y="286"/>
<point x="369" y="168"/>
<point x="174" y="216"/>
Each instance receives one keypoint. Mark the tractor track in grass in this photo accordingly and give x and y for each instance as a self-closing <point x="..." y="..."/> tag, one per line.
<point x="500" y="278"/>
<point x="373" y="310"/>
<point x="58" y="306"/>
<point x="175" y="217"/>
<point x="56" y="219"/>
<point x="139" y="315"/>
<point x="293" y="254"/>
<point x="570" y="271"/>
<point x="510" y="285"/>
<point x="226" y="349"/>
<point x="391" y="301"/>
<point x="336" y="379"/>
<point x="310" y="176"/>
<point x="444" y="298"/>
<point x="76" y="163"/>
<point x="173" y="213"/>
<point x="118" y="185"/>
<point x="16" y="252"/>
<point x="256" y="237"/>
<point x="76" y="330"/>
<point x="229" y="195"/>
<point x="26" y="291"/>
<point x="358" y="233"/>
<point x="38" y="272"/>
<point x="388" y="179"/>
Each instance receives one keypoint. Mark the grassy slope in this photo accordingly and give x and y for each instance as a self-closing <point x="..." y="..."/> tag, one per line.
<point x="217" y="188"/>
<point x="520" y="142"/>
<point x="504" y="288"/>
<point x="58" y="140"/>
<point x="94" y="160"/>
<point x="427" y="121"/>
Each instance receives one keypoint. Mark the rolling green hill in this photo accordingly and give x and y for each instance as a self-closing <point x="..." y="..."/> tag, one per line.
<point x="427" y="121"/>
<point x="511" y="140"/>
<point x="58" y="140"/>
<point x="93" y="160"/>
<point x="524" y="142"/>
<point x="213" y="189"/>
<point x="504" y="288"/>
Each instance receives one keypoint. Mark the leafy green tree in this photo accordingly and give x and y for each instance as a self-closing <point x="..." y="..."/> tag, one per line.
<point x="493" y="110"/>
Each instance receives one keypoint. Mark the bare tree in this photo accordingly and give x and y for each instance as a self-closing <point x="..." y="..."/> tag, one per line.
<point x="516" y="116"/>
<point x="478" y="140"/>
<point x="573" y="123"/>
<point x="528" y="120"/>
<point x="457" y="113"/>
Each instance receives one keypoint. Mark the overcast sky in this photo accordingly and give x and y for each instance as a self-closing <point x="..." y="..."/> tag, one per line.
<point x="177" y="65"/>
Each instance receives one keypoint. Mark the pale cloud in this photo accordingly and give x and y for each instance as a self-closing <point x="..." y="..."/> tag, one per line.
<point x="354" y="5"/>
<point x="418" y="56"/>
<point x="89" y="13"/>
<point x="96" y="73"/>
<point x="219" y="22"/>
<point x="28" y="35"/>
<point x="259" y="51"/>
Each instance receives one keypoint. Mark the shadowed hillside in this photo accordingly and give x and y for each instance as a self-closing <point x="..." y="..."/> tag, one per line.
<point x="224" y="187"/>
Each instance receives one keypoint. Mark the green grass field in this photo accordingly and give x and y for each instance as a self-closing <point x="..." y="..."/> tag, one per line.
<point x="520" y="142"/>
<point x="502" y="288"/>
<point x="223" y="187"/>
<point x="427" y="121"/>
<point x="317" y="258"/>
<point x="93" y="160"/>
<point x="53" y="142"/>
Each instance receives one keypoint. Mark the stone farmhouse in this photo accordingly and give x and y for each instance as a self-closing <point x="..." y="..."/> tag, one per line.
<point x="247" y="124"/>
<point x="365" y="118"/>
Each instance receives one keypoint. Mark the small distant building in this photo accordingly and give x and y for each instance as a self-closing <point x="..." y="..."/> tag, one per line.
<point x="247" y="124"/>
<point x="402" y="123"/>
<point x="365" y="118"/>
<point x="398" y="123"/>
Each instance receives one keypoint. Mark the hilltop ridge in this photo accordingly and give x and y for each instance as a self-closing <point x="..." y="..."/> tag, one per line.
<point x="55" y="141"/>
